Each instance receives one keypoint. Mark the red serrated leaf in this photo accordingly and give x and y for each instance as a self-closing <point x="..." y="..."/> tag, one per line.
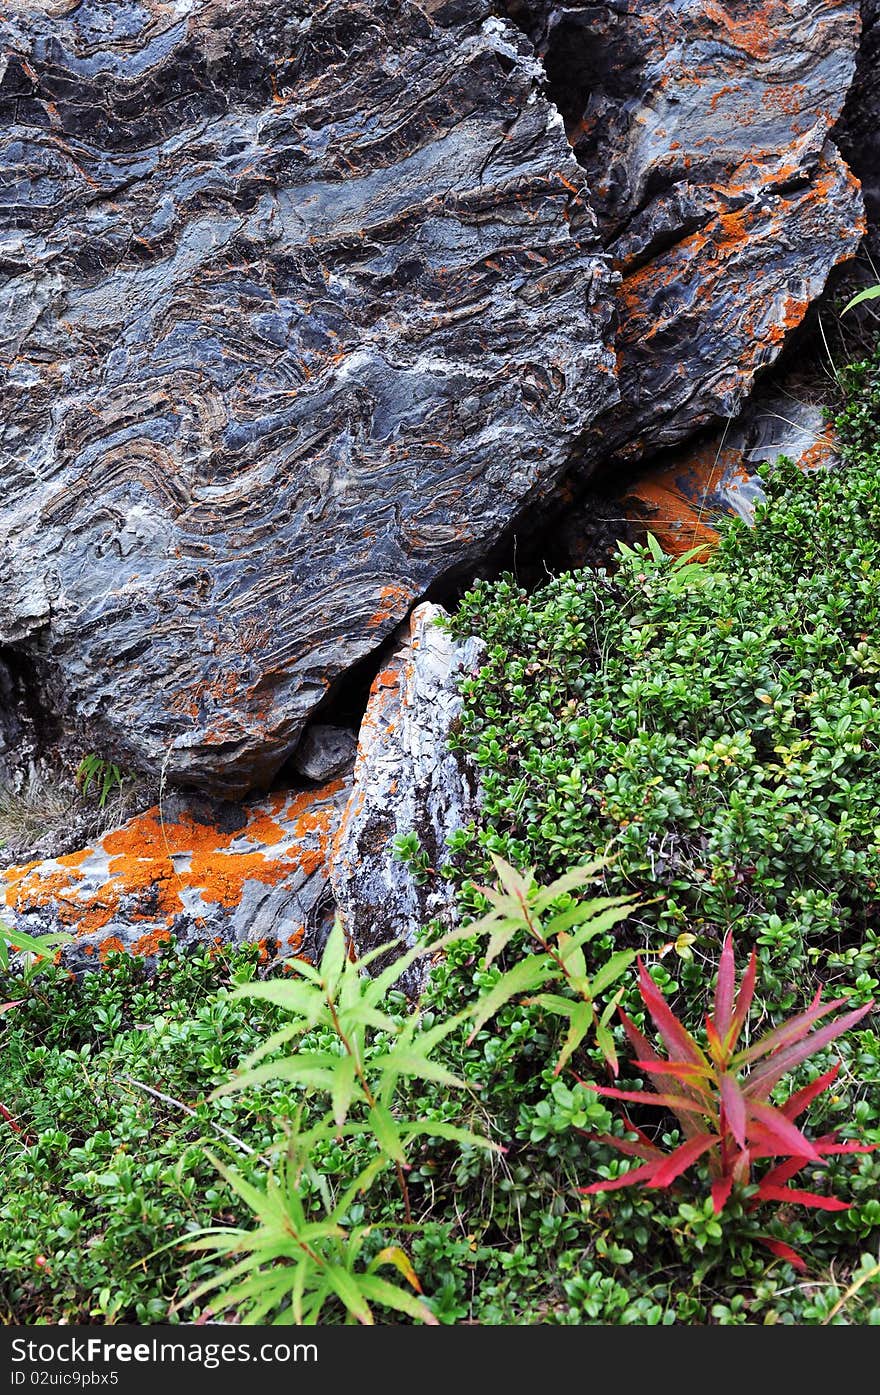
<point x="677" y="1040"/>
<point x="720" y="1192"/>
<point x="724" y="989"/>
<point x="683" y="1070"/>
<point x="775" y="1129"/>
<point x="797" y="1103"/>
<point x="682" y="1158"/>
<point x="762" y="1080"/>
<point x="783" y="1172"/>
<point x="629" y="1179"/>
<point x="717" y="1050"/>
<point x="791" y="1194"/>
<point x="674" y="1102"/>
<point x="783" y="1251"/>
<point x="743" y="1000"/>
<point x="789" y="1032"/>
<point x="625" y="1145"/>
<point x="734" y="1108"/>
<point x="828" y="1149"/>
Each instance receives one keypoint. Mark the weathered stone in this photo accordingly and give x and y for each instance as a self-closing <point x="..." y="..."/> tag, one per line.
<point x="703" y="128"/>
<point x="189" y="873"/>
<point x="406" y="781"/>
<point x="682" y="501"/>
<point x="324" y="752"/>
<point x="300" y="306"/>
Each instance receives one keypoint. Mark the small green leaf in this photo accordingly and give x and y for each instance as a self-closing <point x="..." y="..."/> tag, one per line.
<point x="870" y="293"/>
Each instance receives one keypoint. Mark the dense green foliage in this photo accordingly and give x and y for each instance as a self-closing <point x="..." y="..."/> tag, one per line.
<point x="98" y="1174"/>
<point x="712" y="728"/>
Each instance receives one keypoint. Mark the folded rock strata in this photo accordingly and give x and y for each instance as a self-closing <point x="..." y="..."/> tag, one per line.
<point x="703" y="127"/>
<point x="191" y="876"/>
<point x="300" y="305"/>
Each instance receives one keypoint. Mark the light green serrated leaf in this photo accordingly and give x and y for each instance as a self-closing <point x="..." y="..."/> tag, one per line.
<point x="437" y="1129"/>
<point x="571" y="880"/>
<point x="524" y="977"/>
<point x="606" y="1045"/>
<point x="380" y="1291"/>
<point x="615" y="909"/>
<point x="870" y="293"/>
<point x="313" y="1070"/>
<point x="402" y="1060"/>
<point x="351" y="1289"/>
<point x="611" y="970"/>
<point x="387" y="1136"/>
<point x="579" y="1025"/>
<point x="553" y="1002"/>
<point x="343" y="1088"/>
<point x="610" y="1007"/>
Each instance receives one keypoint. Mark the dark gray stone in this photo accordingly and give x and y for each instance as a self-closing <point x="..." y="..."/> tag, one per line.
<point x="324" y="752"/>
<point x="704" y="131"/>
<point x="300" y="307"/>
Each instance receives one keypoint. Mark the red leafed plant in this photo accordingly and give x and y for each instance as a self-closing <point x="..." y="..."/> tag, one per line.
<point x="721" y="1097"/>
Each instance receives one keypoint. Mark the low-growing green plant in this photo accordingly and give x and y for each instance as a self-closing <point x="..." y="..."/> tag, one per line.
<point x="722" y="1098"/>
<point x="291" y="1265"/>
<point x="408" y="850"/>
<point x="556" y="943"/>
<point x="103" y="774"/>
<point x="106" y="1080"/>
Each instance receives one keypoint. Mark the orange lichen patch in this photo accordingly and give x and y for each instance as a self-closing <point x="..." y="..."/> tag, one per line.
<point x="112" y="945"/>
<point x="28" y="885"/>
<point x="75" y="859"/>
<point x="221" y="880"/>
<point x="669" y="511"/>
<point x="153" y="870"/>
<point x="151" y="942"/>
<point x="393" y="601"/>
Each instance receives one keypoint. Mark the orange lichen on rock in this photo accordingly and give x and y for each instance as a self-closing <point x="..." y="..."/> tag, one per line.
<point x="166" y="873"/>
<point x="394" y="601"/>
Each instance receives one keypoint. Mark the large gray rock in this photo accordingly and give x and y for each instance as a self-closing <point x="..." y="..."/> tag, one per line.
<point x="704" y="131"/>
<point x="300" y="305"/>
<point x="406" y="782"/>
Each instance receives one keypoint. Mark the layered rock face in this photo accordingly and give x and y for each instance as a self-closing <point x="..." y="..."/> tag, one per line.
<point x="703" y="127"/>
<point x="301" y="305"/>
